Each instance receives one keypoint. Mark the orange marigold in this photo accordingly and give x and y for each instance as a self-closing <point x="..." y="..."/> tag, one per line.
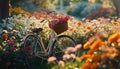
<point x="85" y="56"/>
<point x="91" y="51"/>
<point x="79" y="23"/>
<point x="96" y="44"/>
<point x="96" y="57"/>
<point x="114" y="37"/>
<point x="86" y="66"/>
<point x="89" y="27"/>
<point x="115" y="23"/>
<point x="5" y="36"/>
<point x="94" y="66"/>
<point x="86" y="45"/>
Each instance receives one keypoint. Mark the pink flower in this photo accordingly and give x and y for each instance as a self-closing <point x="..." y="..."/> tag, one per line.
<point x="66" y="56"/>
<point x="72" y="56"/>
<point x="51" y="59"/>
<point x="12" y="49"/>
<point x="10" y="28"/>
<point x="69" y="50"/>
<point x="13" y="37"/>
<point x="22" y="40"/>
<point x="15" y="31"/>
<point x="61" y="63"/>
<point x="77" y="47"/>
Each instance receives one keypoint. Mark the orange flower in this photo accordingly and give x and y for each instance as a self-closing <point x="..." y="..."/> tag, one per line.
<point x="89" y="27"/>
<point x="91" y="51"/>
<point x="5" y="36"/>
<point x="94" y="66"/>
<point x="114" y="37"/>
<point x="86" y="45"/>
<point x="86" y="66"/>
<point x="79" y="23"/>
<point x="96" y="57"/>
<point x="85" y="56"/>
<point x="115" y="23"/>
<point x="112" y="56"/>
<point x="96" y="44"/>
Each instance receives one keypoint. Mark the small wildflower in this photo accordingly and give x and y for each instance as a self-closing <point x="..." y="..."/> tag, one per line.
<point x="96" y="44"/>
<point x="69" y="50"/>
<point x="4" y="31"/>
<point x="86" y="45"/>
<point x="13" y="37"/>
<point x="79" y="23"/>
<point x="61" y="63"/>
<point x="15" y="31"/>
<point x="11" y="42"/>
<point x="114" y="37"/>
<point x="89" y="27"/>
<point x="66" y="56"/>
<point x="51" y="59"/>
<point x="77" y="47"/>
<point x="72" y="56"/>
<point x="10" y="28"/>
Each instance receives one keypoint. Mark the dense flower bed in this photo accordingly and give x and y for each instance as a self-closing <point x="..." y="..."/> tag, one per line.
<point x="99" y="39"/>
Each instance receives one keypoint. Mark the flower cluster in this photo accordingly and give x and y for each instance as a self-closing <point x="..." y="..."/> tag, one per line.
<point x="102" y="12"/>
<point x="18" y="10"/>
<point x="43" y="14"/>
<point x="57" y="21"/>
<point x="102" y="54"/>
<point x="11" y="50"/>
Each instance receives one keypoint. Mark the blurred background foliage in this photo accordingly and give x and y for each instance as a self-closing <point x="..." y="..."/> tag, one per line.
<point x="77" y="8"/>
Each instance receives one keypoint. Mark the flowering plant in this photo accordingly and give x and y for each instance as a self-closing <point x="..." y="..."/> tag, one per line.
<point x="58" y="20"/>
<point x="59" y="24"/>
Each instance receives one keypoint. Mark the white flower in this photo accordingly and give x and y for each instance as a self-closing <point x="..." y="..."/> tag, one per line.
<point x="4" y="31"/>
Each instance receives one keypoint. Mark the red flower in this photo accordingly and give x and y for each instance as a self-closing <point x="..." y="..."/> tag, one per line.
<point x="12" y="49"/>
<point x="5" y="52"/>
<point x="8" y="63"/>
<point x="11" y="42"/>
